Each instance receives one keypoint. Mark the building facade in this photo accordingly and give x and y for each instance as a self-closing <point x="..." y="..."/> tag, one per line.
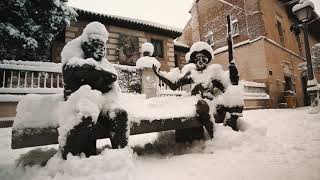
<point x="266" y="50"/>
<point x="125" y="39"/>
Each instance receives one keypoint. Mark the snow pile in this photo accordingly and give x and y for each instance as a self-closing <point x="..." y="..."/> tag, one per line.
<point x="104" y="65"/>
<point x="272" y="144"/>
<point x="302" y="4"/>
<point x="188" y="68"/>
<point x="233" y="96"/>
<point x="252" y="84"/>
<point x="52" y="110"/>
<point x="173" y="75"/>
<point x="187" y="57"/>
<point x="11" y="98"/>
<point x="85" y="102"/>
<point x="212" y="72"/>
<point x="147" y="62"/>
<point x="133" y="20"/>
<point x="31" y="66"/>
<point x="140" y="108"/>
<point x="82" y="103"/>
<point x="147" y="47"/>
<point x="31" y="63"/>
<point x="115" y="164"/>
<point x="37" y="111"/>
<point x="72" y="49"/>
<point x="313" y="85"/>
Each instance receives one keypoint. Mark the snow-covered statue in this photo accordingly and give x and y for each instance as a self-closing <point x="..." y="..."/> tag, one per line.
<point x="90" y="91"/>
<point x="211" y="83"/>
<point x="146" y="61"/>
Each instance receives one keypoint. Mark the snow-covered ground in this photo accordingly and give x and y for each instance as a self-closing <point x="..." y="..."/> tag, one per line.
<point x="276" y="144"/>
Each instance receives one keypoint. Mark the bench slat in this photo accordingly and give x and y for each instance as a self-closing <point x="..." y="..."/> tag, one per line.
<point x="30" y="137"/>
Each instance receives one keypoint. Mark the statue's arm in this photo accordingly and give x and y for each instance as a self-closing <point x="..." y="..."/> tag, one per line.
<point x="173" y="85"/>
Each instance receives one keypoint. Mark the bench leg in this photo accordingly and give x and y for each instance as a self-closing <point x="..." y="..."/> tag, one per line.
<point x="119" y="129"/>
<point x="197" y="133"/>
<point x="189" y="135"/>
<point x="202" y="109"/>
<point x="220" y="116"/>
<point x="80" y="139"/>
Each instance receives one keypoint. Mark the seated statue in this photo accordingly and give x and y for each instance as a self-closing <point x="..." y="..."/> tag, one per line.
<point x="84" y="64"/>
<point x="209" y="82"/>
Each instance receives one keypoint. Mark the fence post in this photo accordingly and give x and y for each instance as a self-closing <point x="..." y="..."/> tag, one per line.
<point x="150" y="83"/>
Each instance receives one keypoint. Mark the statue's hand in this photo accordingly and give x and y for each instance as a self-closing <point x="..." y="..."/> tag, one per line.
<point x="109" y="77"/>
<point x="88" y="67"/>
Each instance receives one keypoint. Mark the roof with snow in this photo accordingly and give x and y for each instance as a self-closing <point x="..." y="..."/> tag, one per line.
<point x="179" y="46"/>
<point x="313" y="27"/>
<point x="130" y="23"/>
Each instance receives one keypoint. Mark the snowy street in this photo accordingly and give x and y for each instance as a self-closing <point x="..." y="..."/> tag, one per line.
<point x="276" y="144"/>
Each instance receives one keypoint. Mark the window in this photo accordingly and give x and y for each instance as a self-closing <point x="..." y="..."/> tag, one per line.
<point x="235" y="27"/>
<point x="158" y="48"/>
<point x="176" y="60"/>
<point x="209" y="38"/>
<point x="288" y="85"/>
<point x="280" y="31"/>
<point x="270" y="72"/>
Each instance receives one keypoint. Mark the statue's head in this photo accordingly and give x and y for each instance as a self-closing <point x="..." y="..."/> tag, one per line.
<point x="147" y="49"/>
<point x="201" y="54"/>
<point x="93" y="41"/>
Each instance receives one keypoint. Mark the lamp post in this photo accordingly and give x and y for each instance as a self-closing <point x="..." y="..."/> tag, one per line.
<point x="303" y="12"/>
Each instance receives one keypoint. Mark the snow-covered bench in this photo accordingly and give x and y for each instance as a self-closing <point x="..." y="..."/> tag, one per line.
<point x="36" y="122"/>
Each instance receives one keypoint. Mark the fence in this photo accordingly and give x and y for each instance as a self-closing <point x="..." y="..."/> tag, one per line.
<point x="19" y="77"/>
<point x="24" y="77"/>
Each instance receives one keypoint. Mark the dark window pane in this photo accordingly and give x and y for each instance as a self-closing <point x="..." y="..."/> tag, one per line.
<point x="158" y="48"/>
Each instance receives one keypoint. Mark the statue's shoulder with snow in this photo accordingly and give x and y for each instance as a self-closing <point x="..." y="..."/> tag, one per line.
<point x="146" y="60"/>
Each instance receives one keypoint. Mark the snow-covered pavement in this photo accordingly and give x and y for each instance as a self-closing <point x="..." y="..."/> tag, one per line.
<point x="277" y="144"/>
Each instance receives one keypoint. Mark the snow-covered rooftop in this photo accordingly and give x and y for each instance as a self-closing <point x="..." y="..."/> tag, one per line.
<point x="132" y="23"/>
<point x="180" y="44"/>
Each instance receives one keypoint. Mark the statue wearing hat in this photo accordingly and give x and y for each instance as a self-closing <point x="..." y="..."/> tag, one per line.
<point x="85" y="68"/>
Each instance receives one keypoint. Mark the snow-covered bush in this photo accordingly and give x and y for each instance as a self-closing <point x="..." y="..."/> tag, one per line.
<point x="27" y="28"/>
<point x="315" y="56"/>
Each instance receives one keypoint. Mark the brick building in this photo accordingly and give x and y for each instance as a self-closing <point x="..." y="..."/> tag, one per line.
<point x="125" y="39"/>
<point x="265" y="49"/>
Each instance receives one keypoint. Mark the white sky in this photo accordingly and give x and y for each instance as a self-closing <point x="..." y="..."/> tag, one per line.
<point x="168" y="12"/>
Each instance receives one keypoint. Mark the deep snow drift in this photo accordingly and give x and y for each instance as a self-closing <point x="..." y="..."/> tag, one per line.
<point x="275" y="144"/>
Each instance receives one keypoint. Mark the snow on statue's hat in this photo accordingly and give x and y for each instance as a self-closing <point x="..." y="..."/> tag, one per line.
<point x="95" y="30"/>
<point x="147" y="47"/>
<point x="201" y="47"/>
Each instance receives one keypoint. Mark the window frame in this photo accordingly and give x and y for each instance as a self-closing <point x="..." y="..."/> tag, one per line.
<point x="234" y="23"/>
<point x="209" y="37"/>
<point x="160" y="42"/>
<point x="280" y="30"/>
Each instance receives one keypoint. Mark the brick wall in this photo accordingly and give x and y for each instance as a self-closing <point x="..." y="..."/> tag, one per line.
<point x="210" y="15"/>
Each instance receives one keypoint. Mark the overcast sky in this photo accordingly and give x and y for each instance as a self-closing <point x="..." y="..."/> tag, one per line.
<point x="168" y="12"/>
